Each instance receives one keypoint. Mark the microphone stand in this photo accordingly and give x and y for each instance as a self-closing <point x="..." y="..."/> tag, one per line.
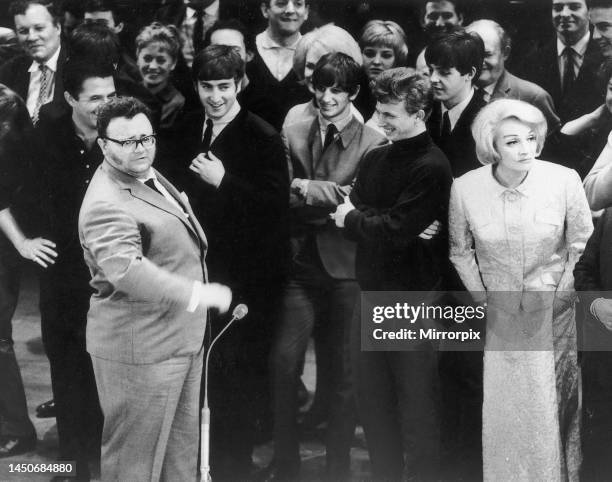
<point x="239" y="312"/>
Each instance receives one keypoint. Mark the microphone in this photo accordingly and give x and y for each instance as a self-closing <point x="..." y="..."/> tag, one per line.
<point x="239" y="312"/>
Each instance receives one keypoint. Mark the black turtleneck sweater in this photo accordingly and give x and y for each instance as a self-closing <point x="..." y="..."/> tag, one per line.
<point x="401" y="189"/>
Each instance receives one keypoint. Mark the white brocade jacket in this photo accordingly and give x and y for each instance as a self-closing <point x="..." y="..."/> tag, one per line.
<point x="522" y="239"/>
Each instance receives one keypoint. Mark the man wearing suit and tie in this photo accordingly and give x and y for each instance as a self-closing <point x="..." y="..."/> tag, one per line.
<point x="37" y="75"/>
<point x="455" y="62"/>
<point x="145" y="327"/>
<point x="566" y="67"/>
<point x="324" y="156"/>
<point x="496" y="82"/>
<point x="239" y="184"/>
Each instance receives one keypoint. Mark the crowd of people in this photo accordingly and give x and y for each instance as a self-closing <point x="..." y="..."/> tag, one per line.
<point x="161" y="159"/>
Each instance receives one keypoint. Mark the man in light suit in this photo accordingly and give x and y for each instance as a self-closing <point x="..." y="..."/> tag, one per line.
<point x="145" y="328"/>
<point x="324" y="155"/>
<point x="497" y="83"/>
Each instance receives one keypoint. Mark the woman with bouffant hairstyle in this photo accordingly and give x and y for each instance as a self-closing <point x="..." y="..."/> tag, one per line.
<point x="517" y="226"/>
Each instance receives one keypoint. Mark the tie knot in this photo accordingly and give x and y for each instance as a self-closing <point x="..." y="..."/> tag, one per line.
<point x="151" y="183"/>
<point x="331" y="129"/>
<point x="209" y="123"/>
<point x="42" y="67"/>
<point x="568" y="52"/>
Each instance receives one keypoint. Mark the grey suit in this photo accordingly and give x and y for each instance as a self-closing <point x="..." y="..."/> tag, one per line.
<point x="144" y="255"/>
<point x="509" y="86"/>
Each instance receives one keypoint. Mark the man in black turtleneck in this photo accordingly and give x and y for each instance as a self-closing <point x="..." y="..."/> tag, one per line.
<point x="401" y="189"/>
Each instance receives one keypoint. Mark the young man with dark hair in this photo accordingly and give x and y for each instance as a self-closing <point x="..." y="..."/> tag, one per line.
<point x="440" y="16"/>
<point x="36" y="76"/>
<point x="233" y="32"/>
<point x="600" y="17"/>
<point x="233" y="165"/>
<point x="271" y="70"/>
<point x="68" y="157"/>
<point x="455" y="62"/>
<point x="324" y="156"/>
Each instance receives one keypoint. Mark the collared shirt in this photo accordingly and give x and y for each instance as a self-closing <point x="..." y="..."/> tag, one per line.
<point x="163" y="190"/>
<point x="579" y="49"/>
<point x="340" y="125"/>
<point x="278" y="58"/>
<point x="35" y="80"/>
<point x="211" y="15"/>
<point x="487" y="92"/>
<point x="219" y="124"/>
<point x="456" y="111"/>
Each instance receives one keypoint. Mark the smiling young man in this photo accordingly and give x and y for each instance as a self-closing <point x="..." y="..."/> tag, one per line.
<point x="324" y="156"/>
<point x="566" y="66"/>
<point x="399" y="191"/>
<point x="600" y="16"/>
<point x="455" y="62"/>
<point x="37" y="75"/>
<point x="233" y="165"/>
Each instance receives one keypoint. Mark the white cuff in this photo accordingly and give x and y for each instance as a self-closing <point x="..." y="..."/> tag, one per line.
<point x="592" y="308"/>
<point x="194" y="301"/>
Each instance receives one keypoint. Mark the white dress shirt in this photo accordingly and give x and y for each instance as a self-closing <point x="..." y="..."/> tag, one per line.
<point x="35" y="80"/>
<point x="278" y="58"/>
<point x="219" y="124"/>
<point x="579" y="49"/>
<point x="456" y="111"/>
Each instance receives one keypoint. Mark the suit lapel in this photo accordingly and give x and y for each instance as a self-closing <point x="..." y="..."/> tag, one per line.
<point x="183" y="201"/>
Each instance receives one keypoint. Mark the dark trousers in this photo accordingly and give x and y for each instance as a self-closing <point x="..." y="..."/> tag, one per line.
<point x="398" y="397"/>
<point x="312" y="298"/>
<point x="461" y="376"/>
<point x="14" y="418"/>
<point x="597" y="400"/>
<point x="64" y="305"/>
<point x="239" y="388"/>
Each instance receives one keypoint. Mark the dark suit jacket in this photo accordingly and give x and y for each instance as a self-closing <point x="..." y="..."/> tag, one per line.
<point x="331" y="174"/>
<point x="143" y="255"/>
<point x="246" y="217"/>
<point x="460" y="148"/>
<point x="511" y="87"/>
<point x="14" y="74"/>
<point x="592" y="275"/>
<point x="587" y="93"/>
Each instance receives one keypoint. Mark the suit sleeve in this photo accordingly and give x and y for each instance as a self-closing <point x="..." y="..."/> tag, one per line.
<point x="267" y="192"/>
<point x="112" y="237"/>
<point x="587" y="278"/>
<point x="598" y="182"/>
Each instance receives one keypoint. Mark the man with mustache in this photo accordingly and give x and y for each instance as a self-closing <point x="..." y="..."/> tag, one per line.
<point x="566" y="67"/>
<point x="37" y="75"/>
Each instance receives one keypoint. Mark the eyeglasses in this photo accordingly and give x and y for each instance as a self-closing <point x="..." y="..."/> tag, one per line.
<point x="145" y="141"/>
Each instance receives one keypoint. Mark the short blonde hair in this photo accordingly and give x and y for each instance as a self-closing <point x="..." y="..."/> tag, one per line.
<point x="301" y="50"/>
<point x="385" y="33"/>
<point x="484" y="127"/>
<point x="167" y="35"/>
